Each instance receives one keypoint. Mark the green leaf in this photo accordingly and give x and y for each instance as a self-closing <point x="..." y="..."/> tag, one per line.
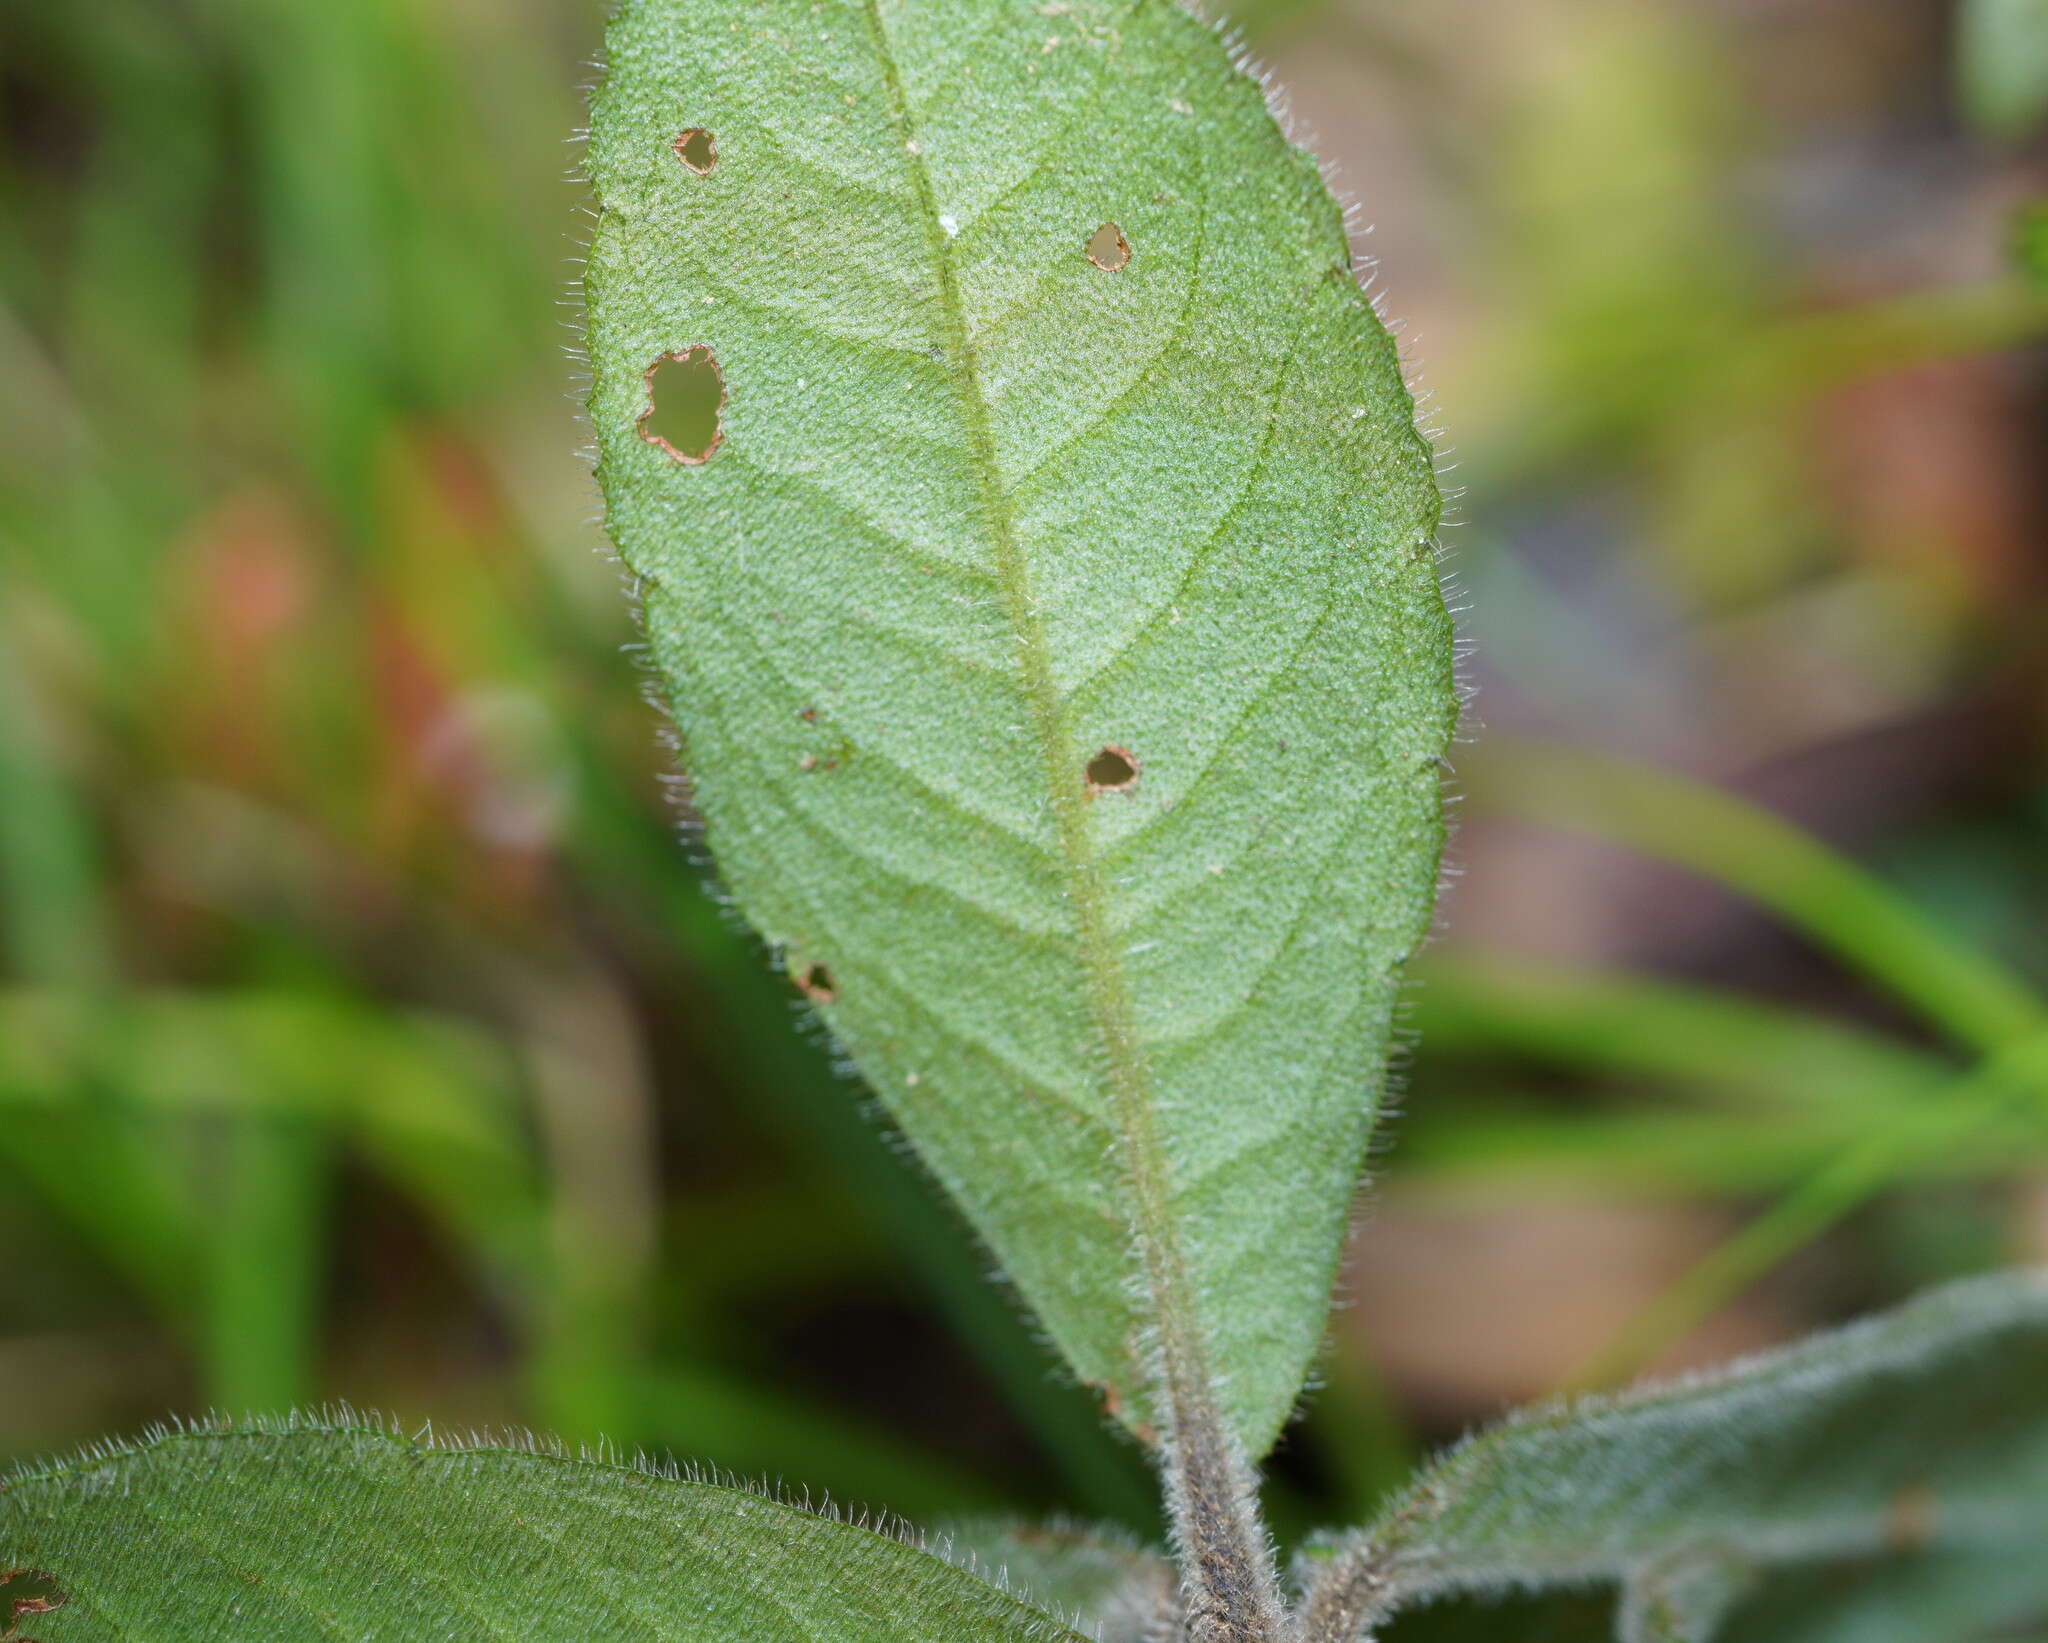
<point x="1924" y="1428"/>
<point x="1973" y="1593"/>
<point x="1968" y="1595"/>
<point x="1055" y="436"/>
<point x="2002" y="64"/>
<point x="1683" y="1599"/>
<point x="1099" y="1576"/>
<point x="2027" y="240"/>
<point x="428" y="1097"/>
<point x="312" y="1531"/>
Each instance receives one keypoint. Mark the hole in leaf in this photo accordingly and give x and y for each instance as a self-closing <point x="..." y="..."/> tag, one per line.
<point x="25" y="1592"/>
<point x="685" y="393"/>
<point x="1108" y="249"/>
<point x="697" y="149"/>
<point x="1113" y="770"/>
<point x="815" y="982"/>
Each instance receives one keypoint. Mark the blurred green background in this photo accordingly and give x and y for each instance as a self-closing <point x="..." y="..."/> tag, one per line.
<point x="366" y="1034"/>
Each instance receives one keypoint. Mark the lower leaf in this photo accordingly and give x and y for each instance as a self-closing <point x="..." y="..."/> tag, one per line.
<point x="312" y="1530"/>
<point x="1924" y="1430"/>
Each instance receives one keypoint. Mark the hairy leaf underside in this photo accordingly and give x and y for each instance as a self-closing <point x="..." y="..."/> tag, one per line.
<point x="300" y="1532"/>
<point x="1050" y="618"/>
<point x="1890" y="1465"/>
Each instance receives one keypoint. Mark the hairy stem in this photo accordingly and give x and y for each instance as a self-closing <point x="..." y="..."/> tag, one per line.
<point x="1347" y="1597"/>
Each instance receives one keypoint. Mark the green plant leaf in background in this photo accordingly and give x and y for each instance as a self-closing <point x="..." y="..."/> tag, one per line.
<point x="2002" y="64"/>
<point x="1038" y="553"/>
<point x="2028" y="242"/>
<point x="307" y="1529"/>
<point x="1922" y="1431"/>
<point x="1100" y="1577"/>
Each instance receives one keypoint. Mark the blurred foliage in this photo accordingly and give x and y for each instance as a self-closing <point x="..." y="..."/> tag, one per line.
<point x="365" y="1032"/>
<point x="2030" y="241"/>
<point x="2002" y="64"/>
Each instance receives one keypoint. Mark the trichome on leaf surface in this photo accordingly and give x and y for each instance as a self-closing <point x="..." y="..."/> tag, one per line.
<point x="1036" y="548"/>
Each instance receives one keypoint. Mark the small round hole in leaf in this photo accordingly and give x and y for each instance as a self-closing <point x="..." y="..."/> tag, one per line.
<point x="1113" y="770"/>
<point x="697" y="149"/>
<point x="685" y="394"/>
<point x="815" y="983"/>
<point x="1108" y="249"/>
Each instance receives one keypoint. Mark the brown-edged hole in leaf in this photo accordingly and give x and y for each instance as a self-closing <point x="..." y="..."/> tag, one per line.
<point x="685" y="394"/>
<point x="25" y="1592"/>
<point x="1113" y="770"/>
<point x="697" y="149"/>
<point x="1108" y="249"/>
<point x="815" y="981"/>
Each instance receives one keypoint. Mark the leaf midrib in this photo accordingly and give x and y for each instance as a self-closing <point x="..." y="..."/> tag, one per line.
<point x="1139" y="1149"/>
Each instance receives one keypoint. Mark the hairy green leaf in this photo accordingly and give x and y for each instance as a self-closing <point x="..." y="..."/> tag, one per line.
<point x="1098" y="1576"/>
<point x="1036" y="546"/>
<point x="1924" y="1428"/>
<point x="313" y="1531"/>
<point x="1964" y="1594"/>
<point x="1682" y="1599"/>
<point x="1969" y="1594"/>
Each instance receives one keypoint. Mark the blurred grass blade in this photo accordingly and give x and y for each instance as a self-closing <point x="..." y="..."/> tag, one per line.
<point x="1923" y="1427"/>
<point x="233" y="1096"/>
<point x="265" y="1235"/>
<point x="1742" y="1052"/>
<point x="429" y="1097"/>
<point x="52" y="924"/>
<point x="1531" y="1149"/>
<point x="53" y="927"/>
<point x="1841" y="907"/>
<point x="1819" y="892"/>
<point x="1893" y="1149"/>
<point x="305" y="1531"/>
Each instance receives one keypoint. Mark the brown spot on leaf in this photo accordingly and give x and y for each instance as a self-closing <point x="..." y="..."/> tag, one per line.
<point x="685" y="402"/>
<point x="1113" y="770"/>
<point x="1909" y="1517"/>
<point x="697" y="149"/>
<point x="1108" y="249"/>
<point x="814" y="981"/>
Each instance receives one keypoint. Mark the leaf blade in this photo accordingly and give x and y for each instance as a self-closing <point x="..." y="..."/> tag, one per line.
<point x="319" y="1531"/>
<point x="1103" y="1578"/>
<point x="984" y="506"/>
<point x="1923" y="1427"/>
